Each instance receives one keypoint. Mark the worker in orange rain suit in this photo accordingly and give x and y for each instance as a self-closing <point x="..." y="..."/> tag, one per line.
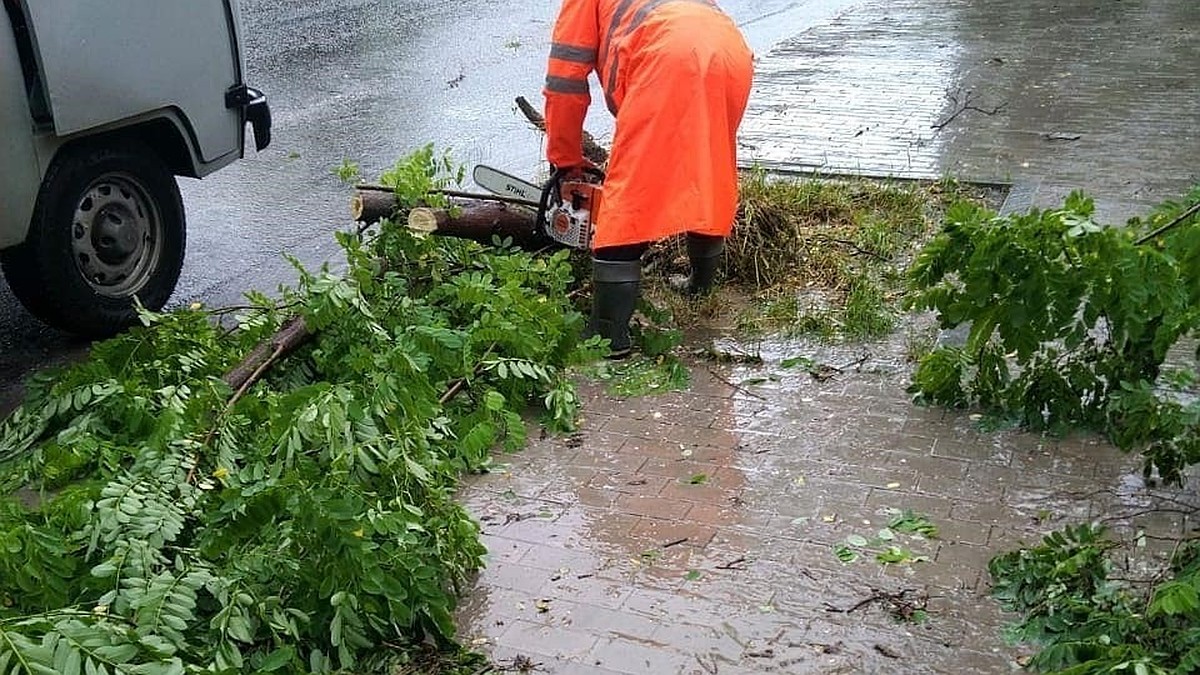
<point x="676" y="74"/>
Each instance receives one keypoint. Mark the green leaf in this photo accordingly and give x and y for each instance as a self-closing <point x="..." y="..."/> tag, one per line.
<point x="494" y="401"/>
<point x="1173" y="598"/>
<point x="893" y="555"/>
<point x="794" y="361"/>
<point x="278" y="659"/>
<point x="844" y="553"/>
<point x="913" y="523"/>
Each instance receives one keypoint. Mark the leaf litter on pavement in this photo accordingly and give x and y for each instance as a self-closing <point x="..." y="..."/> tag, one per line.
<point x="882" y="545"/>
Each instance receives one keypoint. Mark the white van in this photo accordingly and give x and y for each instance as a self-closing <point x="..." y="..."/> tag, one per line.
<point x="102" y="104"/>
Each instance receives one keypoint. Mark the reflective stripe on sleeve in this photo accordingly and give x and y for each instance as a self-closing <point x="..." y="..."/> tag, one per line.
<point x="566" y="85"/>
<point x="572" y="53"/>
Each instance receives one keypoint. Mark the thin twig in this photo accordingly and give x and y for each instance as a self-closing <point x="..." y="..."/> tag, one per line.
<point x="857" y="606"/>
<point x="237" y="395"/>
<point x="966" y="105"/>
<point x="453" y="390"/>
<point x="855" y="248"/>
<point x="735" y="386"/>
<point x="374" y="188"/>
<point x="732" y="564"/>
<point x="457" y="385"/>
<point x="482" y="196"/>
<point x="856" y="363"/>
<point x="1191" y="211"/>
<point x="1146" y="512"/>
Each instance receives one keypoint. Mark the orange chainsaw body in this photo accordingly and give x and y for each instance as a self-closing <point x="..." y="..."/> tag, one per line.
<point x="570" y="220"/>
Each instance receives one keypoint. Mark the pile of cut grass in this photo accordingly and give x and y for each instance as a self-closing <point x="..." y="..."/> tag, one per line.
<point x="818" y="256"/>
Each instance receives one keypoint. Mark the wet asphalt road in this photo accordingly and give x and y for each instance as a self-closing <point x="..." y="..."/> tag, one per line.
<point x="368" y="81"/>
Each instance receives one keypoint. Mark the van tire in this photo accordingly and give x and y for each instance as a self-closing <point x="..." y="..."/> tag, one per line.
<point x="108" y="227"/>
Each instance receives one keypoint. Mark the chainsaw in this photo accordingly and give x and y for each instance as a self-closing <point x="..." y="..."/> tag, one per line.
<point x="565" y="204"/>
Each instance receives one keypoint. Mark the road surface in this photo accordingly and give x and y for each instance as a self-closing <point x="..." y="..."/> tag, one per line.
<point x="365" y="81"/>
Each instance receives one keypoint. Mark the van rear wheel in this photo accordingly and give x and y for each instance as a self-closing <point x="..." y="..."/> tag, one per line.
<point x="108" y="227"/>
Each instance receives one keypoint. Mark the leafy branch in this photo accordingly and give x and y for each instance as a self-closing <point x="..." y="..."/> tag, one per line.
<point x="320" y="522"/>
<point x="1069" y="322"/>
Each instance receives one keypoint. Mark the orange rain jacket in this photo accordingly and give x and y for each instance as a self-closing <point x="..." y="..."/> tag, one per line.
<point x="676" y="74"/>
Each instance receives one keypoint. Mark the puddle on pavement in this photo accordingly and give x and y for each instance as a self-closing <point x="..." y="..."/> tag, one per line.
<point x="696" y="531"/>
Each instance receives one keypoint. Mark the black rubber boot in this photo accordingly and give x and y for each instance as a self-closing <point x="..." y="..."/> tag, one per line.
<point x="704" y="254"/>
<point x="616" y="285"/>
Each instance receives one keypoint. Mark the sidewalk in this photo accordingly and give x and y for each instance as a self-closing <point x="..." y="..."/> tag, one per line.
<point x="1096" y="95"/>
<point x="695" y="532"/>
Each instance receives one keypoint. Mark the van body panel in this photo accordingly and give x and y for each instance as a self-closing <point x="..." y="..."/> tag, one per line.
<point x="20" y="170"/>
<point x="111" y="61"/>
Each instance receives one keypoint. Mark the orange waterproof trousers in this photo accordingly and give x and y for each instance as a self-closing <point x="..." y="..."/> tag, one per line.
<point x="677" y="74"/>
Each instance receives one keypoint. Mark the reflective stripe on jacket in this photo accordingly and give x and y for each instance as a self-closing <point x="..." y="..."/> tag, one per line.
<point x="676" y="73"/>
<point x="584" y="38"/>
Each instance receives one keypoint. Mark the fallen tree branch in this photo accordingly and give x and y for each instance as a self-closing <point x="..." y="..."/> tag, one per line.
<point x="290" y="336"/>
<point x="1189" y="212"/>
<point x="736" y="387"/>
<point x="592" y="150"/>
<point x="897" y="604"/>
<point x="479" y="221"/>
<point x="369" y="205"/>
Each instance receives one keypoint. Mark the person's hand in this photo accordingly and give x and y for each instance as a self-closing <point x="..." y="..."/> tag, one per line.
<point x="577" y="171"/>
<point x="586" y="171"/>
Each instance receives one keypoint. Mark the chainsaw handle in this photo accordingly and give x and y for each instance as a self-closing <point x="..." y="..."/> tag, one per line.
<point x="594" y="172"/>
<point x="557" y="176"/>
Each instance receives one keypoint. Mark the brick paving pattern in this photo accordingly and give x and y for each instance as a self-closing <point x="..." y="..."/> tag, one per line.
<point x="694" y="532"/>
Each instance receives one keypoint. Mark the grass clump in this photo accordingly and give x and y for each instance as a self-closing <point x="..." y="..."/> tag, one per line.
<point x="815" y="256"/>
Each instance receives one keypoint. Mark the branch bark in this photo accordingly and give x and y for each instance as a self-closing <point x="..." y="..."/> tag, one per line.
<point x="592" y="150"/>
<point x="291" y="336"/>
<point x="479" y="221"/>
<point x="371" y="206"/>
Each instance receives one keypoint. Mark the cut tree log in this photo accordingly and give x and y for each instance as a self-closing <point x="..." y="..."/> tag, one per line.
<point x="371" y="206"/>
<point x="372" y="203"/>
<point x="479" y="221"/>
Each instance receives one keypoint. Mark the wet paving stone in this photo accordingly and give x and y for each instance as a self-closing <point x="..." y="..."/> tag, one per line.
<point x="653" y="553"/>
<point x="1049" y="98"/>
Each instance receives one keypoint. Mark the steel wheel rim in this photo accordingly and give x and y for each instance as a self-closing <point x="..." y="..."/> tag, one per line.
<point x="116" y="235"/>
